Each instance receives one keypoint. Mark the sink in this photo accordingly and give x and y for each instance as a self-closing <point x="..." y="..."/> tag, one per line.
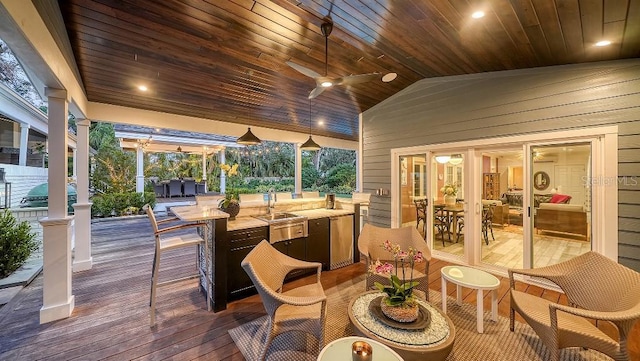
<point x="276" y="216"/>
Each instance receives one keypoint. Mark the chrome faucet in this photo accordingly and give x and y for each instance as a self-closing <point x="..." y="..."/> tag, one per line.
<point x="270" y="206"/>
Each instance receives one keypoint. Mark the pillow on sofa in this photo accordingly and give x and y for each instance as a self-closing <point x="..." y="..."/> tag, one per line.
<point x="560" y="198"/>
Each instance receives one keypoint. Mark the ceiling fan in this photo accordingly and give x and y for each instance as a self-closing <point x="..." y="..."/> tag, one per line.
<point x="324" y="82"/>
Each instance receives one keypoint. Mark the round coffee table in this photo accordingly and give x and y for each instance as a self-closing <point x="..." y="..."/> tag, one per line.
<point x="433" y="343"/>
<point x="340" y="349"/>
<point x="475" y="279"/>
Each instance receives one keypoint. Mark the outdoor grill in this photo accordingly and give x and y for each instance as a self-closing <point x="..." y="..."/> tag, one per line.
<point x="38" y="196"/>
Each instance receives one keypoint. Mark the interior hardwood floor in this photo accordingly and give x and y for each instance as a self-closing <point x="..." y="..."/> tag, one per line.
<point x="505" y="247"/>
<point x="111" y="317"/>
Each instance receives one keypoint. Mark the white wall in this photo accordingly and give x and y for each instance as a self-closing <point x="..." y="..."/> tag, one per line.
<point x="23" y="179"/>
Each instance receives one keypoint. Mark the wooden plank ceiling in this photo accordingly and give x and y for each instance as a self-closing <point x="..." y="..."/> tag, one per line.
<point x="225" y="59"/>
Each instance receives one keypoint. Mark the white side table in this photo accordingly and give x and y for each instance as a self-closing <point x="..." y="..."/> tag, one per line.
<point x="340" y="349"/>
<point x="475" y="279"/>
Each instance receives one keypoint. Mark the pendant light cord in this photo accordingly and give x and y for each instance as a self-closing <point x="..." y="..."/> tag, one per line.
<point x="309" y="117"/>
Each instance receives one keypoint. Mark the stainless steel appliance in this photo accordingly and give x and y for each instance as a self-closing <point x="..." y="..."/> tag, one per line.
<point x="341" y="241"/>
<point x="330" y="201"/>
<point x="285" y="226"/>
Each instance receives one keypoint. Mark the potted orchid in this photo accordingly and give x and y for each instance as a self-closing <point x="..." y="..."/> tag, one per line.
<point x="399" y="303"/>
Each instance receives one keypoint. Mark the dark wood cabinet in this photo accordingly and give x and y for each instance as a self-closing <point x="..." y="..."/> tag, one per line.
<point x="318" y="242"/>
<point x="296" y="248"/>
<point x="241" y="242"/>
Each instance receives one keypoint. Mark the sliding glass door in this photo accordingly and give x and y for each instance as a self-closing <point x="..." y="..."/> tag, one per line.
<point x="522" y="202"/>
<point x="413" y="188"/>
<point x="561" y="202"/>
<point x="501" y="216"/>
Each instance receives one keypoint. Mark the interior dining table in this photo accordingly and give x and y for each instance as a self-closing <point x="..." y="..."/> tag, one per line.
<point x="452" y="214"/>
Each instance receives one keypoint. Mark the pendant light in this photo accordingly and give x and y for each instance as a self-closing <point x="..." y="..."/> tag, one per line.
<point x="248" y="138"/>
<point x="310" y="144"/>
<point x="456" y="159"/>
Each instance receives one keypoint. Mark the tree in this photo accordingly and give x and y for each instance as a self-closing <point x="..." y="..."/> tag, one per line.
<point x="12" y="74"/>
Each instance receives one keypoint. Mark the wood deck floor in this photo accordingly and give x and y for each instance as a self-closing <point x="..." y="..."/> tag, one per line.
<point x="111" y="318"/>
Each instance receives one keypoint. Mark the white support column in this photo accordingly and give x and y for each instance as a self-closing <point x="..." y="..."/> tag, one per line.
<point x="57" y="300"/>
<point x="74" y="173"/>
<point x="223" y="176"/>
<point x="204" y="169"/>
<point x="298" y="170"/>
<point x="139" y="170"/>
<point x="24" y="143"/>
<point x="82" y="257"/>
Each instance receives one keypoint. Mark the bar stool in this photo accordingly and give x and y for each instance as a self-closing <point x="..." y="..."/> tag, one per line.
<point x="164" y="244"/>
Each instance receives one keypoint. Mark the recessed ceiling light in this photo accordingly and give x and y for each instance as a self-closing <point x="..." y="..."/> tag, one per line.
<point x="143" y="88"/>
<point x="603" y="43"/>
<point x="478" y="14"/>
<point x="320" y="122"/>
<point x="389" y="77"/>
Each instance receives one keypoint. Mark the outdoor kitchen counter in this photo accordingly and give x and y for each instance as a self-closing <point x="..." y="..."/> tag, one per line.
<point x="247" y="222"/>
<point x="213" y="254"/>
<point x="322" y="213"/>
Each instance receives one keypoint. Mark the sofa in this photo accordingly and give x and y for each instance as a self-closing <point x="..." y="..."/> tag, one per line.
<point x="562" y="217"/>
<point x="514" y="201"/>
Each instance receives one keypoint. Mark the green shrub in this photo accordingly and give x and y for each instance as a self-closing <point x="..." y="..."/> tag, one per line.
<point x="16" y="243"/>
<point x="120" y="204"/>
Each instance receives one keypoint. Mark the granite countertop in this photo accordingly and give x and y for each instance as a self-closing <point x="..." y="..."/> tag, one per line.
<point x="244" y="223"/>
<point x="321" y="213"/>
<point x="251" y="222"/>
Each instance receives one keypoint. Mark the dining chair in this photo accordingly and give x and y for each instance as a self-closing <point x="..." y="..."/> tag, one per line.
<point x="421" y="215"/>
<point x="189" y="187"/>
<point x="165" y="243"/>
<point x="159" y="189"/>
<point x="303" y="308"/>
<point x="175" y="188"/>
<point x="441" y="222"/>
<point x="487" y="221"/>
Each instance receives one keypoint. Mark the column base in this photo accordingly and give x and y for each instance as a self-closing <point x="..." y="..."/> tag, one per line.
<point x="82" y="259"/>
<point x="57" y="312"/>
<point x="83" y="265"/>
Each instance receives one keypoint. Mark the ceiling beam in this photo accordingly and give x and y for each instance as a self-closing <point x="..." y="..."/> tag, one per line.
<point x="125" y="115"/>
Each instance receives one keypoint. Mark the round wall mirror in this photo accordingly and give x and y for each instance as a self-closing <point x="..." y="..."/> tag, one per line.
<point x="541" y="180"/>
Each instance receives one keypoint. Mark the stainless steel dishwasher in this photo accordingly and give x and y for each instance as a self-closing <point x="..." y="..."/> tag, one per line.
<point x="341" y="241"/>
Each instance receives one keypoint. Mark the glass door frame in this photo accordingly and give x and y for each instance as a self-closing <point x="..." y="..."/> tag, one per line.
<point x="604" y="162"/>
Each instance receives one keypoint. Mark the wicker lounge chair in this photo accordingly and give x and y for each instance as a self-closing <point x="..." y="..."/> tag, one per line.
<point x="598" y="289"/>
<point x="302" y="308"/>
<point x="369" y="244"/>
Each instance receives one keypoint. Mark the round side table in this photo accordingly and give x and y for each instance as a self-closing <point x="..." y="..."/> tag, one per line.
<point x="340" y="349"/>
<point x="475" y="279"/>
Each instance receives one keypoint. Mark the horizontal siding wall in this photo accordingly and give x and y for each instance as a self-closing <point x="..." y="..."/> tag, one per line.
<point x="488" y="105"/>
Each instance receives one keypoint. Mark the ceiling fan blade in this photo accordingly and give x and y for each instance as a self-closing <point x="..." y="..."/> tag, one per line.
<point x="357" y="79"/>
<point x="317" y="91"/>
<point x="306" y="71"/>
